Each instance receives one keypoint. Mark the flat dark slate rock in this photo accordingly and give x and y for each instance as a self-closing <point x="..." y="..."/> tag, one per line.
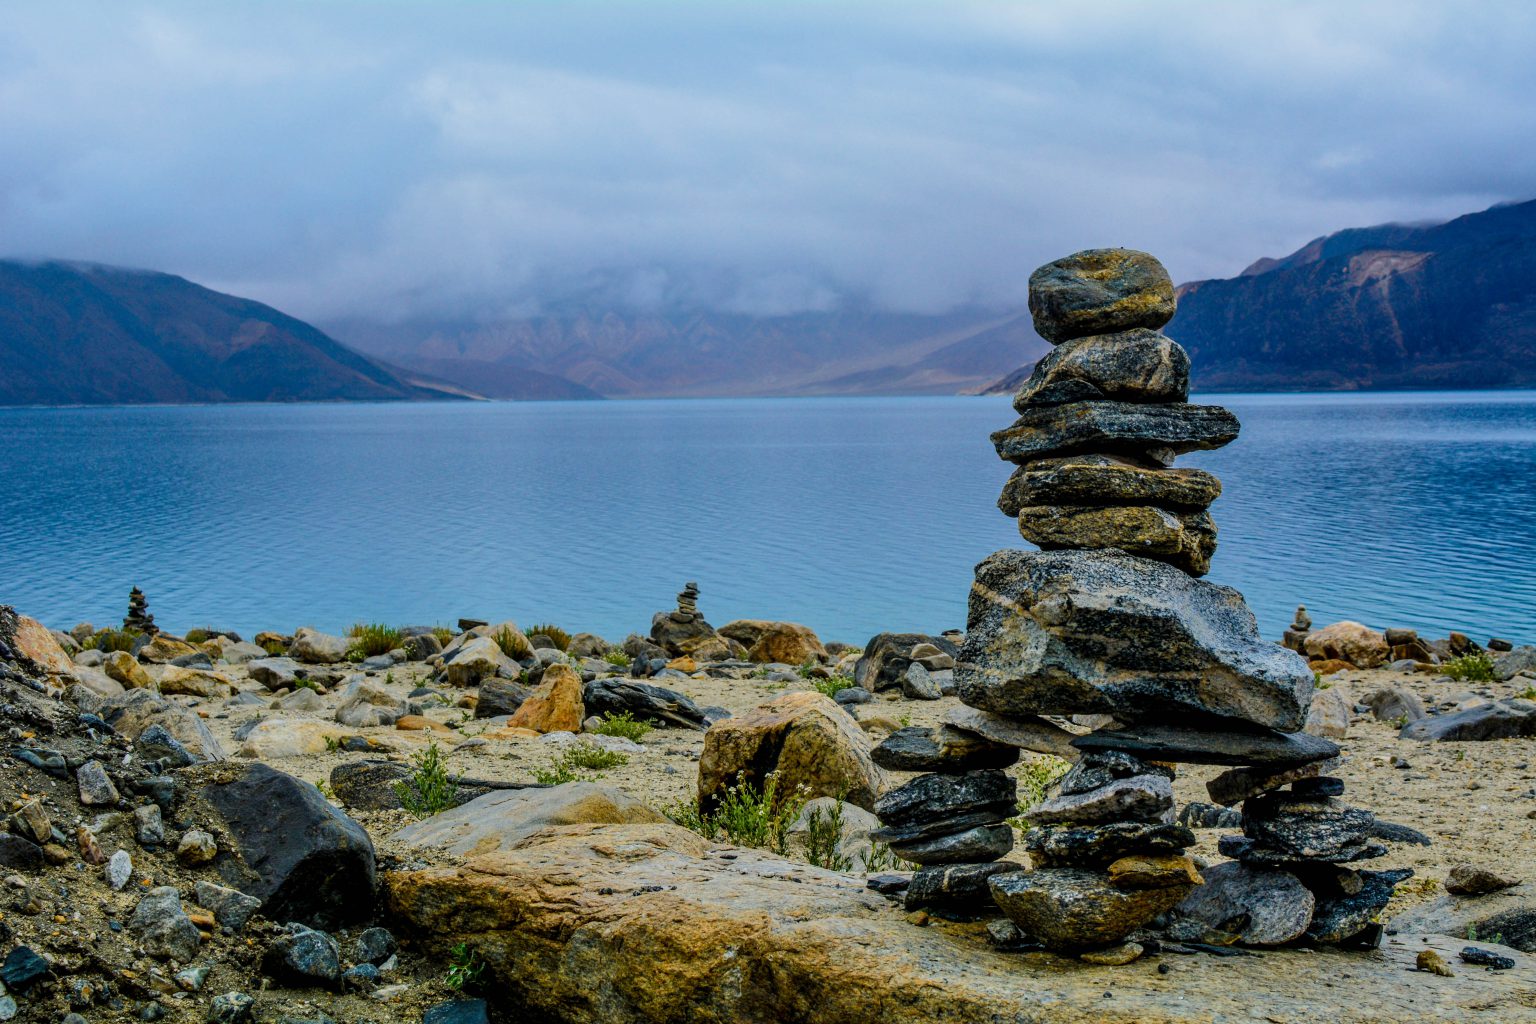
<point x="1339" y="918"/>
<point x="1200" y="746"/>
<point x="1091" y="845"/>
<point x="975" y="845"/>
<point x="1091" y="479"/>
<point x="1109" y="427"/>
<point x="1246" y="850"/>
<point x="1239" y="784"/>
<point x="1317" y="829"/>
<point x="921" y="749"/>
<point x="1499" y="720"/>
<point x="963" y="885"/>
<point x="932" y="829"/>
<point x="936" y="797"/>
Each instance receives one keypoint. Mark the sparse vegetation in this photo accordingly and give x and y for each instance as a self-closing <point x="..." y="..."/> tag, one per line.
<point x="428" y="791"/>
<point x="746" y="815"/>
<point x="1529" y="693"/>
<point x="616" y="657"/>
<point x="878" y="858"/>
<point x="444" y="635"/>
<point x="464" y="967"/>
<point x="580" y="762"/>
<point x="823" y="836"/>
<point x="1476" y="667"/>
<point x="109" y="640"/>
<point x="557" y="636"/>
<point x="832" y="685"/>
<point x="1035" y="778"/>
<point x="197" y="636"/>
<point x="512" y="643"/>
<point x="623" y="724"/>
<point x="275" y="648"/>
<point x="373" y="638"/>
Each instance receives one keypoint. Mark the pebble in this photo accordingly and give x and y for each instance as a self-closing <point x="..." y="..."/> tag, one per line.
<point x="1114" y="956"/>
<point x="230" y="1008"/>
<point x="1433" y="963"/>
<point x="96" y="789"/>
<point x="1486" y="958"/>
<point x="119" y="870"/>
<point x="196" y="847"/>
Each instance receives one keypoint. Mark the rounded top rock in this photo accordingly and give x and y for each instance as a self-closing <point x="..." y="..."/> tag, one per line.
<point x="1100" y="291"/>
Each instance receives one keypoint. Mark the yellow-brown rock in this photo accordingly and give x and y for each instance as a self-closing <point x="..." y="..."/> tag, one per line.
<point x="787" y="642"/>
<point x="1352" y="642"/>
<point x="163" y="648"/>
<point x="125" y="668"/>
<point x="804" y="737"/>
<point x="34" y="641"/>
<point x="1152" y="871"/>
<point x="555" y="706"/>
<point x="191" y="682"/>
<point x="1183" y="539"/>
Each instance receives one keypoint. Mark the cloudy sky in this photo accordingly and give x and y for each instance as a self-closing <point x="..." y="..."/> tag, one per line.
<point x="484" y="159"/>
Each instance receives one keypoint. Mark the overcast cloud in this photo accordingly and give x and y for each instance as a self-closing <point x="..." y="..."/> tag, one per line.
<point x="487" y="159"/>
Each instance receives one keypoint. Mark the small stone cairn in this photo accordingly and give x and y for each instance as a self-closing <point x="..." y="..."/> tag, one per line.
<point x="1301" y="627"/>
<point x="687" y="604"/>
<point x="138" y="618"/>
<point x="1109" y="626"/>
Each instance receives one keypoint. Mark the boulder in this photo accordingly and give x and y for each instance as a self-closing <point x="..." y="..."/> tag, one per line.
<point x="694" y="638"/>
<point x="96" y="681"/>
<point x="804" y="737"/>
<point x="131" y="713"/>
<point x="318" y="648"/>
<point x="274" y="673"/>
<point x="1394" y="704"/>
<point x="1186" y="540"/>
<point x="363" y="705"/>
<point x="1116" y="428"/>
<point x="1520" y="659"/>
<point x="1261" y="906"/>
<point x="476" y="659"/>
<point x="1069" y="909"/>
<point x="555" y="706"/>
<point x="887" y="656"/>
<point x="242" y="653"/>
<point x="32" y="640"/>
<point x="788" y="643"/>
<point x="125" y="668"/>
<point x="1349" y="642"/>
<point x="304" y="859"/>
<point x="191" y="682"/>
<point x="162" y="649"/>
<point x="502" y="819"/>
<point x="648" y="703"/>
<point x="1103" y="632"/>
<point x="1090" y="479"/>
<point x="1496" y="720"/>
<point x="1098" y="291"/>
<point x="498" y="697"/>
<point x="1130" y="366"/>
<point x="276" y="738"/>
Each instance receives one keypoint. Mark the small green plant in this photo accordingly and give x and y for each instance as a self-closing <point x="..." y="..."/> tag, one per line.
<point x="1497" y="938"/>
<point x="373" y="638"/>
<point x="1036" y="776"/>
<point x="746" y="815"/>
<point x="824" y="833"/>
<point x="878" y="858"/>
<point x="906" y="721"/>
<point x="428" y="791"/>
<point x="578" y="763"/>
<point x="1529" y="693"/>
<point x="557" y="636"/>
<point x="464" y="966"/>
<point x="325" y="789"/>
<point x="1476" y="667"/>
<point x="616" y="657"/>
<point x="623" y="724"/>
<point x="444" y="635"/>
<point x="332" y="745"/>
<point x="1460" y="755"/>
<point x="109" y="640"/>
<point x="197" y="636"/>
<point x="275" y="648"/>
<point x="832" y="685"/>
<point x="512" y="643"/>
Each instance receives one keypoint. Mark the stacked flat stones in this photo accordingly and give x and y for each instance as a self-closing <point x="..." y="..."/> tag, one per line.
<point x="138" y="618"/>
<point x="1103" y="416"/>
<point x="687" y="604"/>
<point x="951" y="820"/>
<point x="1111" y="627"/>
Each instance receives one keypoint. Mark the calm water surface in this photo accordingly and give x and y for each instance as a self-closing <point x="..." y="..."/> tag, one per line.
<point x="850" y="515"/>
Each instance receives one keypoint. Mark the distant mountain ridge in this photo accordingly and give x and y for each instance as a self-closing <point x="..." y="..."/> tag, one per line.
<point x="86" y="334"/>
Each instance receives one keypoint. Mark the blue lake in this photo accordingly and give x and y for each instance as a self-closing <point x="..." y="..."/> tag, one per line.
<point x="850" y="515"/>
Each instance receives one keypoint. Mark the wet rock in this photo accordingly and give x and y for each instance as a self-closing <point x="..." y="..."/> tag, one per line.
<point x="1262" y="906"/>
<point x="939" y="797"/>
<point x="804" y="737"/>
<point x="1036" y="644"/>
<point x="1090" y="479"/>
<point x="1098" y="291"/>
<point x="457" y="1011"/>
<point x="1070" y="909"/>
<point x="1028" y="732"/>
<point x="1201" y="746"/>
<point x="1137" y="365"/>
<point x="1115" y="428"/>
<point x="1473" y="880"/>
<point x="954" y="886"/>
<point x="1090" y="846"/>
<point x="1139" y="798"/>
<point x="946" y="749"/>
<point x="1498" y="720"/>
<point x="304" y="859"/>
<point x="163" y="927"/>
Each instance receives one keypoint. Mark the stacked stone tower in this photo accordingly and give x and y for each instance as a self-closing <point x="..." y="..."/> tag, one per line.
<point x="138" y="619"/>
<point x="1111" y="626"/>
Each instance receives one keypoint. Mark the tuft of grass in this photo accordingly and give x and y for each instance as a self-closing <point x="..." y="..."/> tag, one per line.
<point x="830" y="686"/>
<point x="109" y="640"/>
<point x="623" y="724"/>
<point x="464" y="967"/>
<point x="274" y="648"/>
<point x="444" y="635"/>
<point x="580" y="762"/>
<point x="507" y="640"/>
<point x="197" y="636"/>
<point x="1529" y="693"/>
<point x="824" y="834"/>
<point x="746" y="815"/>
<point x="373" y="638"/>
<point x="616" y="657"/>
<point x="1476" y="667"/>
<point x="559" y="637"/>
<point x="427" y="791"/>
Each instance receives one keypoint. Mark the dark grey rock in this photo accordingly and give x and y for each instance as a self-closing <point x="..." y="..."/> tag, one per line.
<point x="1196" y="814"/>
<point x="459" y="1011"/>
<point x="1390" y="831"/>
<point x="197" y="659"/>
<point x="1498" y="720"/>
<point x="1097" y="291"/>
<point x="1486" y="958"/>
<point x="1073" y="909"/>
<point x="1094" y="771"/>
<point x="1091" y="479"/>
<point x="921" y="749"/>
<point x="850" y="695"/>
<point x="935" y="797"/>
<point x="157" y="744"/>
<point x="163" y="927"/>
<point x="1095" y="845"/>
<point x="498" y="696"/>
<point x="1139" y="798"/>
<point x="1103" y="632"/>
<point x="231" y="1008"/>
<point x="959" y="886"/>
<point x="1199" y="746"/>
<point x="1237" y="785"/>
<point x="901" y="835"/>
<point x="304" y="859"/>
<point x="1340" y="918"/>
<point x="421" y="646"/>
<point x="888" y="883"/>
<point x="1114" y="428"/>
<point x="1515" y="927"/>
<point x="1512" y="663"/>
<point x="1322" y="785"/>
<point x="1393" y="703"/>
<point x="918" y="684"/>
<point x="23" y="968"/>
<point x="19" y="853"/>
<point x="373" y="946"/>
<point x="655" y="704"/>
<point x="304" y="956"/>
<point x="231" y="907"/>
<point x="1262" y="906"/>
<point x="96" y="788"/>
<point x="1306" y="829"/>
<point x="886" y="657"/>
<point x="1249" y="852"/>
<point x="973" y="846"/>
<point x="1137" y="365"/>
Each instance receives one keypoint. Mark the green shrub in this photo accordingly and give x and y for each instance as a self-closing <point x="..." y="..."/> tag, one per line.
<point x="373" y="638"/>
<point x="578" y="763"/>
<point x="831" y="686"/>
<point x="746" y="815"/>
<point x="616" y="657"/>
<point x="623" y="724"/>
<point x="464" y="967"/>
<point x="275" y="648"/>
<point x="197" y="636"/>
<point x="109" y="640"/>
<point x="559" y="637"/>
<point x="1476" y="667"/>
<point x="1035" y="778"/>
<point x="824" y="833"/>
<point x="1529" y="693"/>
<point x="878" y="858"/>
<point x="512" y="644"/>
<point x="428" y="791"/>
<point x="444" y="635"/>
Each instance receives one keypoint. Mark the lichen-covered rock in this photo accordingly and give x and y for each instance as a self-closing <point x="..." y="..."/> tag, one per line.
<point x="1069" y="908"/>
<point x="1360" y="646"/>
<point x="1097" y="291"/>
<point x="32" y="640"/>
<point x="1158" y="431"/>
<point x="1103" y="632"/>
<point x="788" y="643"/>
<point x="1091" y="479"/>
<point x="125" y="668"/>
<point x="944" y="798"/>
<point x="1319" y="828"/>
<point x="1185" y="540"/>
<point x="1129" y="366"/>
<point x="804" y="737"/>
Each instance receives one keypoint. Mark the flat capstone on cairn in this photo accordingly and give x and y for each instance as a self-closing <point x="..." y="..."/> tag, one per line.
<point x="138" y="618"/>
<point x="1110" y="626"/>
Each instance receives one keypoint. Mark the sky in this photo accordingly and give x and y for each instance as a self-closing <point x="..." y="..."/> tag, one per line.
<point x="478" y="160"/>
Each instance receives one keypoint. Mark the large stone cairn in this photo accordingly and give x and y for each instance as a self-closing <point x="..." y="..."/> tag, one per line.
<point x="138" y="619"/>
<point x="1110" y="627"/>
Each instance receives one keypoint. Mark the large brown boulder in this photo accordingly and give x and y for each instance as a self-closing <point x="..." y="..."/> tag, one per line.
<point x="501" y="819"/>
<point x="805" y="737"/>
<point x="31" y="639"/>
<point x="1361" y="646"/>
<point x="555" y="706"/>
<point x="786" y="642"/>
<point x="623" y="924"/>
